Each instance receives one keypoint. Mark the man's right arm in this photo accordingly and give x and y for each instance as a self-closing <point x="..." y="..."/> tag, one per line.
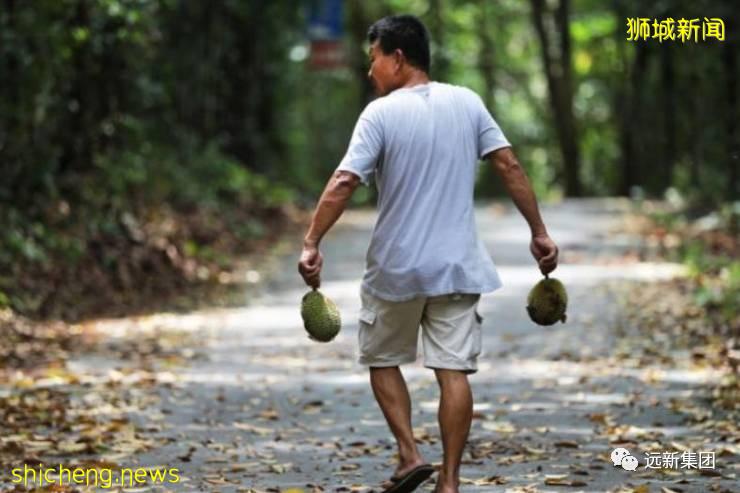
<point x="517" y="184"/>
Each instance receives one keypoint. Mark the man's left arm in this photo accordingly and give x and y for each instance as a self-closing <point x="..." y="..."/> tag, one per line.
<point x="331" y="205"/>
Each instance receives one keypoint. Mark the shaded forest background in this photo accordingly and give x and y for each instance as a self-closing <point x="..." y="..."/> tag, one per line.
<point x="143" y="144"/>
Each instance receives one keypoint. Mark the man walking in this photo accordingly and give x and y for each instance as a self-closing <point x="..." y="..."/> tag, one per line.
<point x="426" y="266"/>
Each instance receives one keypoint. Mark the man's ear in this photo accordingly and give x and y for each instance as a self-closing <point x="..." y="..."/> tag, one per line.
<point x="399" y="58"/>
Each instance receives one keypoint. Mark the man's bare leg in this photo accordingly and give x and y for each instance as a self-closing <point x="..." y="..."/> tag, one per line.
<point x="455" y="415"/>
<point x="393" y="398"/>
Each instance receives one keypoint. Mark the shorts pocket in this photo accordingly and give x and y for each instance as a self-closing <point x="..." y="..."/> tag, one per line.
<point x="477" y="335"/>
<point x="367" y="316"/>
<point x="365" y="334"/>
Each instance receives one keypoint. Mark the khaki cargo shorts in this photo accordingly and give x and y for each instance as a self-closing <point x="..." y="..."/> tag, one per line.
<point x="451" y="331"/>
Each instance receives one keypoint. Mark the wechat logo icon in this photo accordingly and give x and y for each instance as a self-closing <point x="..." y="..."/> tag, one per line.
<point x="622" y="457"/>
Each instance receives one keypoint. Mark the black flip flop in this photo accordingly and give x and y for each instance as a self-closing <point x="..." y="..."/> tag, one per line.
<point x="411" y="480"/>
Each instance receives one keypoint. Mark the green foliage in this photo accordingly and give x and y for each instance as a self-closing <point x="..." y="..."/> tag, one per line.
<point x="712" y="265"/>
<point x="113" y="108"/>
<point x="222" y="80"/>
<point x="185" y="173"/>
<point x="717" y="280"/>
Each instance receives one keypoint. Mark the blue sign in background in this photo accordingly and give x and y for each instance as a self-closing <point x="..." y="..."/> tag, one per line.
<point x="325" y="19"/>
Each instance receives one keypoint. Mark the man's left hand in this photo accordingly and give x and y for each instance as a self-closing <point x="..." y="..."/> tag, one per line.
<point x="545" y="251"/>
<point x="309" y="266"/>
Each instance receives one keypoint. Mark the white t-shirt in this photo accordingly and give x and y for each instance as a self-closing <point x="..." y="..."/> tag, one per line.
<point x="423" y="144"/>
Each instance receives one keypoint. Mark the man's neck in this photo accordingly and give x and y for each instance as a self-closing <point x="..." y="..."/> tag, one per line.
<point x="417" y="77"/>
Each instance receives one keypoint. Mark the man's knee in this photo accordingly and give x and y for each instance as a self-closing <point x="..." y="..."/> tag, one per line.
<point x="446" y="376"/>
<point x="381" y="374"/>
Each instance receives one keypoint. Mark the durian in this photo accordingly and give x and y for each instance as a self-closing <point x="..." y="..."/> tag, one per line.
<point x="547" y="302"/>
<point x="320" y="316"/>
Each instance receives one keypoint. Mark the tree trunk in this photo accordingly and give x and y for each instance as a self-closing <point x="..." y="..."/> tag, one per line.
<point x="359" y="24"/>
<point x="440" y="61"/>
<point x="559" y="82"/>
<point x="486" y="56"/>
<point x="628" y="123"/>
<point x="78" y="136"/>
<point x="10" y="124"/>
<point x="729" y="61"/>
<point x="206" y="120"/>
<point x="669" y="114"/>
<point x="10" y="89"/>
<point x="571" y="154"/>
<point x="627" y="105"/>
<point x="697" y="130"/>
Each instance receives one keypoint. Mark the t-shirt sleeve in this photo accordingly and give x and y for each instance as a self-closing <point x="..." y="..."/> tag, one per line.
<point x="365" y="146"/>
<point x="490" y="136"/>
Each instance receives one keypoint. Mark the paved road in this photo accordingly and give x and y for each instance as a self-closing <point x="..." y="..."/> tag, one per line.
<point x="262" y="407"/>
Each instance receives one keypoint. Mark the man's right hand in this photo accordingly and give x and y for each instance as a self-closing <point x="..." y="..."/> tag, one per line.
<point x="309" y="265"/>
<point x="545" y="251"/>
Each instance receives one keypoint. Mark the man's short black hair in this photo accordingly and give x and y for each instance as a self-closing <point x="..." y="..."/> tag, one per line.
<point x="404" y="32"/>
